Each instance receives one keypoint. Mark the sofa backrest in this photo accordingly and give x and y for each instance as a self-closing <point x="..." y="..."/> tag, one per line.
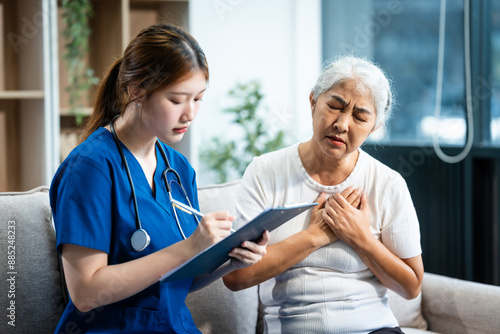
<point x="215" y="308"/>
<point x="32" y="289"/>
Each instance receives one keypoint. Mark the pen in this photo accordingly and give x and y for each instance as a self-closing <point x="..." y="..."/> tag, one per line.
<point x="187" y="209"/>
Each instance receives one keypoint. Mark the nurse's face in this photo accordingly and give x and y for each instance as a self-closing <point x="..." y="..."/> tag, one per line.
<point x="169" y="112"/>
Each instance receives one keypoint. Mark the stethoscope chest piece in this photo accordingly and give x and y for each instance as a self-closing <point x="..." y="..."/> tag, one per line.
<point x="140" y="239"/>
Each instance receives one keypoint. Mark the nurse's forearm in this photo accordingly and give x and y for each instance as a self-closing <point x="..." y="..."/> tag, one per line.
<point x="92" y="283"/>
<point x="280" y="257"/>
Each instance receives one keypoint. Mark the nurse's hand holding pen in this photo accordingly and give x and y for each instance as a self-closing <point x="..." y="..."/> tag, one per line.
<point x="213" y="227"/>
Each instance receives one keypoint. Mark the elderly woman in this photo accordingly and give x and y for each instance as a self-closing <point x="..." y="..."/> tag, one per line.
<point x="328" y="270"/>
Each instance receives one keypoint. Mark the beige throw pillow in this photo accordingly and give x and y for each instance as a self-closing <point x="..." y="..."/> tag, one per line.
<point x="407" y="312"/>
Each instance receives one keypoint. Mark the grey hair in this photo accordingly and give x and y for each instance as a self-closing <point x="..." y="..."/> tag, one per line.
<point x="367" y="74"/>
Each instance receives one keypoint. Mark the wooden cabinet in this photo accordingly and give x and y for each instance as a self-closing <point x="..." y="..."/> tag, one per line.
<point x="113" y="25"/>
<point x="28" y="94"/>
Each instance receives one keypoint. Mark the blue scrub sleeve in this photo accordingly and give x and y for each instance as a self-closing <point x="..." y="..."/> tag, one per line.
<point x="83" y="204"/>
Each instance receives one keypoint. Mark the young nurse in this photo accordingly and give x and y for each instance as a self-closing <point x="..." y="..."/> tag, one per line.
<point x="117" y="230"/>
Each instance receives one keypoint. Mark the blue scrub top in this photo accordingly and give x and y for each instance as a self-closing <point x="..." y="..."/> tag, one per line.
<point x="92" y="206"/>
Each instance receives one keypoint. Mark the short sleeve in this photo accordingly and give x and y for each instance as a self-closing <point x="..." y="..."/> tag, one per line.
<point x="252" y="195"/>
<point x="82" y="203"/>
<point x="400" y="228"/>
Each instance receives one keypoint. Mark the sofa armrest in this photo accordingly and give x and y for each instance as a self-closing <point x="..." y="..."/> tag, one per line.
<point x="32" y="287"/>
<point x="456" y="306"/>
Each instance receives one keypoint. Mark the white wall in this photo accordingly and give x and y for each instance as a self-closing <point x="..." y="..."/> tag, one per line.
<point x="276" y="42"/>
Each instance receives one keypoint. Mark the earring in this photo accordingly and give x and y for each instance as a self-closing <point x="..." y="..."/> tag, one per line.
<point x="139" y="105"/>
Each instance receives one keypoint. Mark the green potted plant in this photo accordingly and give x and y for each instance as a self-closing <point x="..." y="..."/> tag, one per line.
<point x="226" y="158"/>
<point x="76" y="15"/>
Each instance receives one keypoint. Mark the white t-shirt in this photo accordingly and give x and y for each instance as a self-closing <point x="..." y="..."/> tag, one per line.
<point x="332" y="290"/>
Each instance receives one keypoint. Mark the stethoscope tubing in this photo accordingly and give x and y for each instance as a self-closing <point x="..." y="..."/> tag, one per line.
<point x="140" y="238"/>
<point x="138" y="224"/>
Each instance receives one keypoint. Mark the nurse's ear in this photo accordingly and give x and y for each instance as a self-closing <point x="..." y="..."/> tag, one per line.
<point x="135" y="93"/>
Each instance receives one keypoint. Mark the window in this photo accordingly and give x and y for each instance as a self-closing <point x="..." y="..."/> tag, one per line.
<point x="403" y="37"/>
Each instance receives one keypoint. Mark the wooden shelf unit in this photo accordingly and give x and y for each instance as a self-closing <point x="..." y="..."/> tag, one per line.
<point x="33" y="77"/>
<point x="28" y="114"/>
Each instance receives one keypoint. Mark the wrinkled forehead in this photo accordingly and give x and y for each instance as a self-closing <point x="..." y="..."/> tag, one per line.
<point x="355" y="87"/>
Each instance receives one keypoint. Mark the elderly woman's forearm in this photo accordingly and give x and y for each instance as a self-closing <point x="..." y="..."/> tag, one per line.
<point x="403" y="276"/>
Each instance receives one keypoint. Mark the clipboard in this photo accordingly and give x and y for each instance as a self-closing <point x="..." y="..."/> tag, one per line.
<point x="214" y="256"/>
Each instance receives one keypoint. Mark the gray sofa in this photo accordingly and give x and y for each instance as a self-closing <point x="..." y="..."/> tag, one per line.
<point x="33" y="294"/>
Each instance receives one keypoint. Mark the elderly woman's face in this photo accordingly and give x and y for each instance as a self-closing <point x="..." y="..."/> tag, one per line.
<point x="343" y="117"/>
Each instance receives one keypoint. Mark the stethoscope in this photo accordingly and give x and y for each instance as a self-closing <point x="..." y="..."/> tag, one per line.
<point x="140" y="238"/>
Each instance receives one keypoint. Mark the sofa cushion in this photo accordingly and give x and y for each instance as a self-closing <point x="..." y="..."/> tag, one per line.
<point x="34" y="288"/>
<point x="408" y="312"/>
<point x="458" y="306"/>
<point x="215" y="308"/>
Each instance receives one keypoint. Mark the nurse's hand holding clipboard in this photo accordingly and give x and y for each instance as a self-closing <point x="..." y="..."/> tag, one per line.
<point x="214" y="227"/>
<point x="250" y="252"/>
